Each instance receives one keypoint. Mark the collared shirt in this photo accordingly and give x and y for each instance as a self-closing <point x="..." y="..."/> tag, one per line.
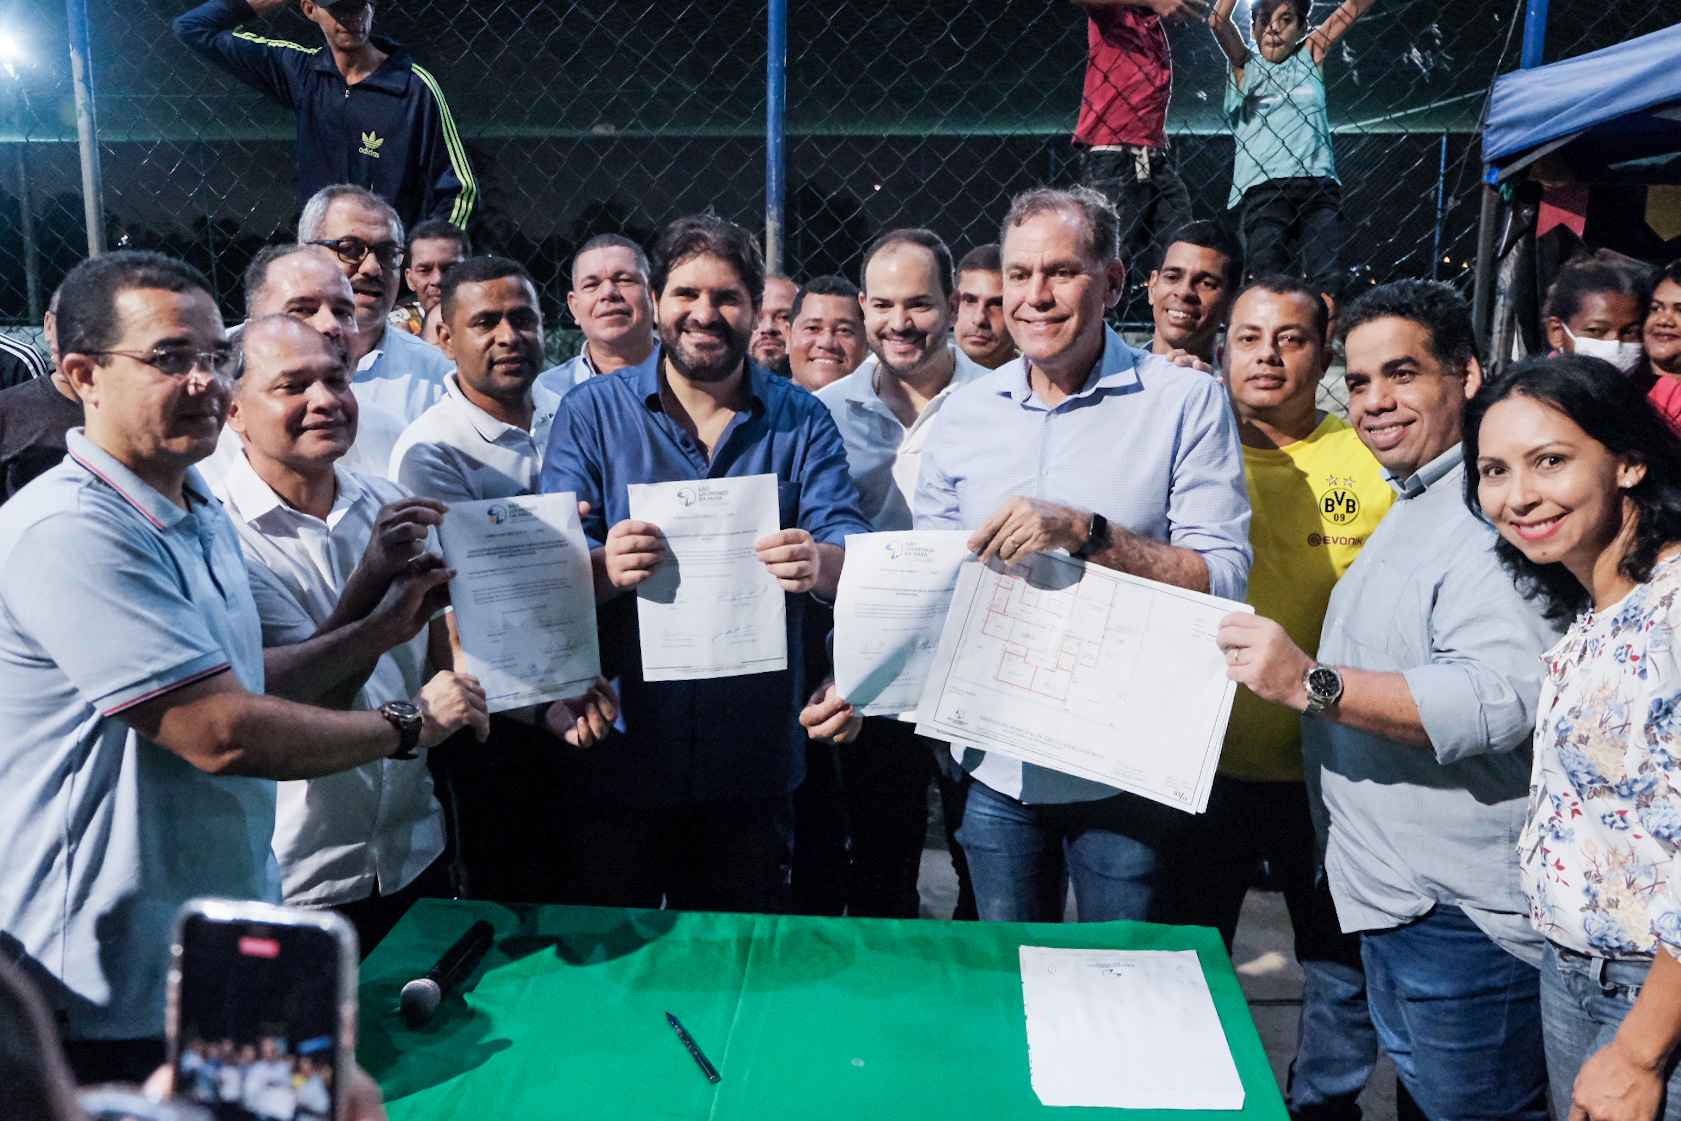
<point x="1149" y="445"/>
<point x="731" y="737"/>
<point x="1410" y="827"/>
<point x="403" y="375"/>
<point x="376" y="827"/>
<point x="457" y="452"/>
<point x="562" y="379"/>
<point x="111" y="595"/>
<point x="377" y="432"/>
<point x="883" y="455"/>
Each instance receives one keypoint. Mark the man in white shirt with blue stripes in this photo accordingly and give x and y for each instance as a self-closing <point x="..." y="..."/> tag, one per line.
<point x="1087" y="445"/>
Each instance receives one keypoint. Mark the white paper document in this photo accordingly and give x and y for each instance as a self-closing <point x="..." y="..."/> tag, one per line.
<point x="713" y="609"/>
<point x="524" y="597"/>
<point x="1087" y="671"/>
<point x="895" y="589"/>
<point x="1125" y="1029"/>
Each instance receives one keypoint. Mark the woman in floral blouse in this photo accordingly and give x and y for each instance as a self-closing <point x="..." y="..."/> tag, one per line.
<point x="1582" y="478"/>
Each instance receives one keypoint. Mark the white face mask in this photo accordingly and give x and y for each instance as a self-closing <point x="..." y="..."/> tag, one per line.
<point x="1624" y="356"/>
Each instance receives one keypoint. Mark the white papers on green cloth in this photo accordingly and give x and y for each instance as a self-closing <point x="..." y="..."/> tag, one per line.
<point x="1087" y="671"/>
<point x="895" y="589"/>
<point x="1125" y="1029"/>
<point x="524" y="597"/>
<point x="713" y="609"/>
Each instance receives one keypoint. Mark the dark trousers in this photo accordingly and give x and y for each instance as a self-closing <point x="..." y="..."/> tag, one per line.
<point x="374" y="916"/>
<point x="952" y="799"/>
<point x="1294" y="227"/>
<point x="503" y="800"/>
<point x="1151" y="209"/>
<point x="860" y="822"/>
<point x="707" y="856"/>
<point x="1209" y="863"/>
<point x="95" y="1061"/>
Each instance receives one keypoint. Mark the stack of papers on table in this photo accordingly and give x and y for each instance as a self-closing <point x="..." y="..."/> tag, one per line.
<point x="1128" y="1029"/>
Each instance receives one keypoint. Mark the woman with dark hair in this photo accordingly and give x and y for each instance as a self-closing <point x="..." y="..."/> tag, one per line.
<point x="1662" y="334"/>
<point x="1582" y="479"/>
<point x="1595" y="308"/>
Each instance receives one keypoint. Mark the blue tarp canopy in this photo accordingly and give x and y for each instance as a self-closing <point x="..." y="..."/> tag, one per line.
<point x="1617" y="110"/>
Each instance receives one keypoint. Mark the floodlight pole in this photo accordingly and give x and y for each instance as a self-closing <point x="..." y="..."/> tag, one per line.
<point x="776" y="102"/>
<point x="87" y="134"/>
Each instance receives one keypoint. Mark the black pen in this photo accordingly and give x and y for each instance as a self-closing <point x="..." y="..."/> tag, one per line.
<point x="706" y="1068"/>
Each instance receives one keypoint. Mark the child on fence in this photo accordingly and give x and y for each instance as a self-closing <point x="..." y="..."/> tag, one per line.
<point x="1283" y="175"/>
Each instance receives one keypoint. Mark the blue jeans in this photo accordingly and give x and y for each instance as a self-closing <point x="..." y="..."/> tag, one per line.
<point x="1583" y="1001"/>
<point x="1021" y="857"/>
<point x="1460" y="1017"/>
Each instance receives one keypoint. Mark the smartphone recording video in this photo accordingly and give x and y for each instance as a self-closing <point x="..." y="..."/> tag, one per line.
<point x="259" y="997"/>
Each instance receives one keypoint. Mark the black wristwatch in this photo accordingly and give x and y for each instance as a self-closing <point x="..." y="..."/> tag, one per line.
<point x="1097" y="537"/>
<point x="405" y="717"/>
<point x="1324" y="688"/>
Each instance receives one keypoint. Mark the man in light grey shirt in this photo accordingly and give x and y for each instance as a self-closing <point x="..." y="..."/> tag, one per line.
<point x="1419" y="716"/>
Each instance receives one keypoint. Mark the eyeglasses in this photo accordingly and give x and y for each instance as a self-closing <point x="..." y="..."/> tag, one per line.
<point x="178" y="361"/>
<point x="353" y="251"/>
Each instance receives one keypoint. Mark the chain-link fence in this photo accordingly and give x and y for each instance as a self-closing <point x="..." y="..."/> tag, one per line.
<point x="588" y="116"/>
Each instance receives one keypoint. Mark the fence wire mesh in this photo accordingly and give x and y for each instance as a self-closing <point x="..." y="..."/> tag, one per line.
<point x="590" y="116"/>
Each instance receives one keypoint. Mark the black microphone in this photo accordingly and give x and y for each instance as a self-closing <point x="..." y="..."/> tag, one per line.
<point x="422" y="996"/>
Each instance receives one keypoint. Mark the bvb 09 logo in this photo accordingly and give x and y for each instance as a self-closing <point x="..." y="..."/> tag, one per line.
<point x="1338" y="505"/>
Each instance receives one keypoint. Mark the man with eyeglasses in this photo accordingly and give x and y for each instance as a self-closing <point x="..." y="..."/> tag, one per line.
<point x="394" y="369"/>
<point x="366" y="112"/>
<point x="132" y="704"/>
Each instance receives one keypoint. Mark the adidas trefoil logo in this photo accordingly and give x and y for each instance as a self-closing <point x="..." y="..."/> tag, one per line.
<point x="371" y="144"/>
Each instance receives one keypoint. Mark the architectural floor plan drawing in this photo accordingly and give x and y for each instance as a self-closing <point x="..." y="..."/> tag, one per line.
<point x="1085" y="670"/>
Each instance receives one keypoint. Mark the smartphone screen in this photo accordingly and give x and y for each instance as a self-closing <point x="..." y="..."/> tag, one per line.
<point x="258" y="1020"/>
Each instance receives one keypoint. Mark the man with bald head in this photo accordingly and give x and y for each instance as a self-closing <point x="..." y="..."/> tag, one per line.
<point x="614" y="308"/>
<point x="324" y="547"/>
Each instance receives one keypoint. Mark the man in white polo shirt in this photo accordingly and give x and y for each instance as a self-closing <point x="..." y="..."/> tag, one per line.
<point x="614" y="307"/>
<point x="884" y="410"/>
<point x="484" y="440"/>
<point x="137" y="752"/>
<point x="324" y="546"/>
<point x="394" y="369"/>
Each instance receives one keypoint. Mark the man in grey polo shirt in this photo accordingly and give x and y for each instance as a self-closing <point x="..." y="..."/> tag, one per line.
<point x="137" y="752"/>
<point x="1420" y="712"/>
<point x="394" y="369"/>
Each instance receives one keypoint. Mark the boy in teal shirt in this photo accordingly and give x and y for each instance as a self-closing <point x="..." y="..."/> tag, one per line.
<point x="1284" y="175"/>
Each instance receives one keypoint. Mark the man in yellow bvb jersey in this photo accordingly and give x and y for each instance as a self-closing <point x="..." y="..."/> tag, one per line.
<point x="1317" y="494"/>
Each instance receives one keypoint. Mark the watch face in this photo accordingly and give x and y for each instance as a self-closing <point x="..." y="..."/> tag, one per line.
<point x="1323" y="681"/>
<point x="402" y="710"/>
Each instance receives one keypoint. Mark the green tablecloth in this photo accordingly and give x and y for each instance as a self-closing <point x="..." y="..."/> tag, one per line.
<point x="806" y="1018"/>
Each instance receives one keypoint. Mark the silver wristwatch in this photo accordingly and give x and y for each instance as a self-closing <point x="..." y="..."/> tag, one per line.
<point x="1324" y="688"/>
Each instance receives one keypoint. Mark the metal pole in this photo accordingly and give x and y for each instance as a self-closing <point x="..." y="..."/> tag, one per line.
<point x="87" y="132"/>
<point x="776" y="99"/>
<point x="26" y="227"/>
<point x="1534" y="34"/>
<point x="1482" y="298"/>
<point x="1441" y="207"/>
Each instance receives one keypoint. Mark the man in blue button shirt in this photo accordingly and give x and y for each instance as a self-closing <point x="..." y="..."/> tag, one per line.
<point x="1113" y="454"/>
<point x="137" y="752"/>
<point x="692" y="801"/>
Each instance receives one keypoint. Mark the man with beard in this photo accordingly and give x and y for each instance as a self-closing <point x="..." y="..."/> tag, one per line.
<point x="613" y="308"/>
<point x="769" y="347"/>
<point x="394" y="369"/>
<point x="691" y="801"/>
<point x="884" y="410"/>
<point x="981" y="332"/>
<point x="1191" y="291"/>
<point x="485" y="440"/>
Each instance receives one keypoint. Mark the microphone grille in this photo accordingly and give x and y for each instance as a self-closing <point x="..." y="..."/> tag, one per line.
<point x="420" y="1000"/>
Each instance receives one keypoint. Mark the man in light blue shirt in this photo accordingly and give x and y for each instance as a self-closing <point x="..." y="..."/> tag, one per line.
<point x="137" y="754"/>
<point x="1114" y="455"/>
<point x="1420" y="710"/>
<point x="614" y="307"/>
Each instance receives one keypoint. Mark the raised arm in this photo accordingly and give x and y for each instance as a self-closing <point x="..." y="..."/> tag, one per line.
<point x="209" y="31"/>
<point x="1327" y="33"/>
<point x="1229" y="38"/>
